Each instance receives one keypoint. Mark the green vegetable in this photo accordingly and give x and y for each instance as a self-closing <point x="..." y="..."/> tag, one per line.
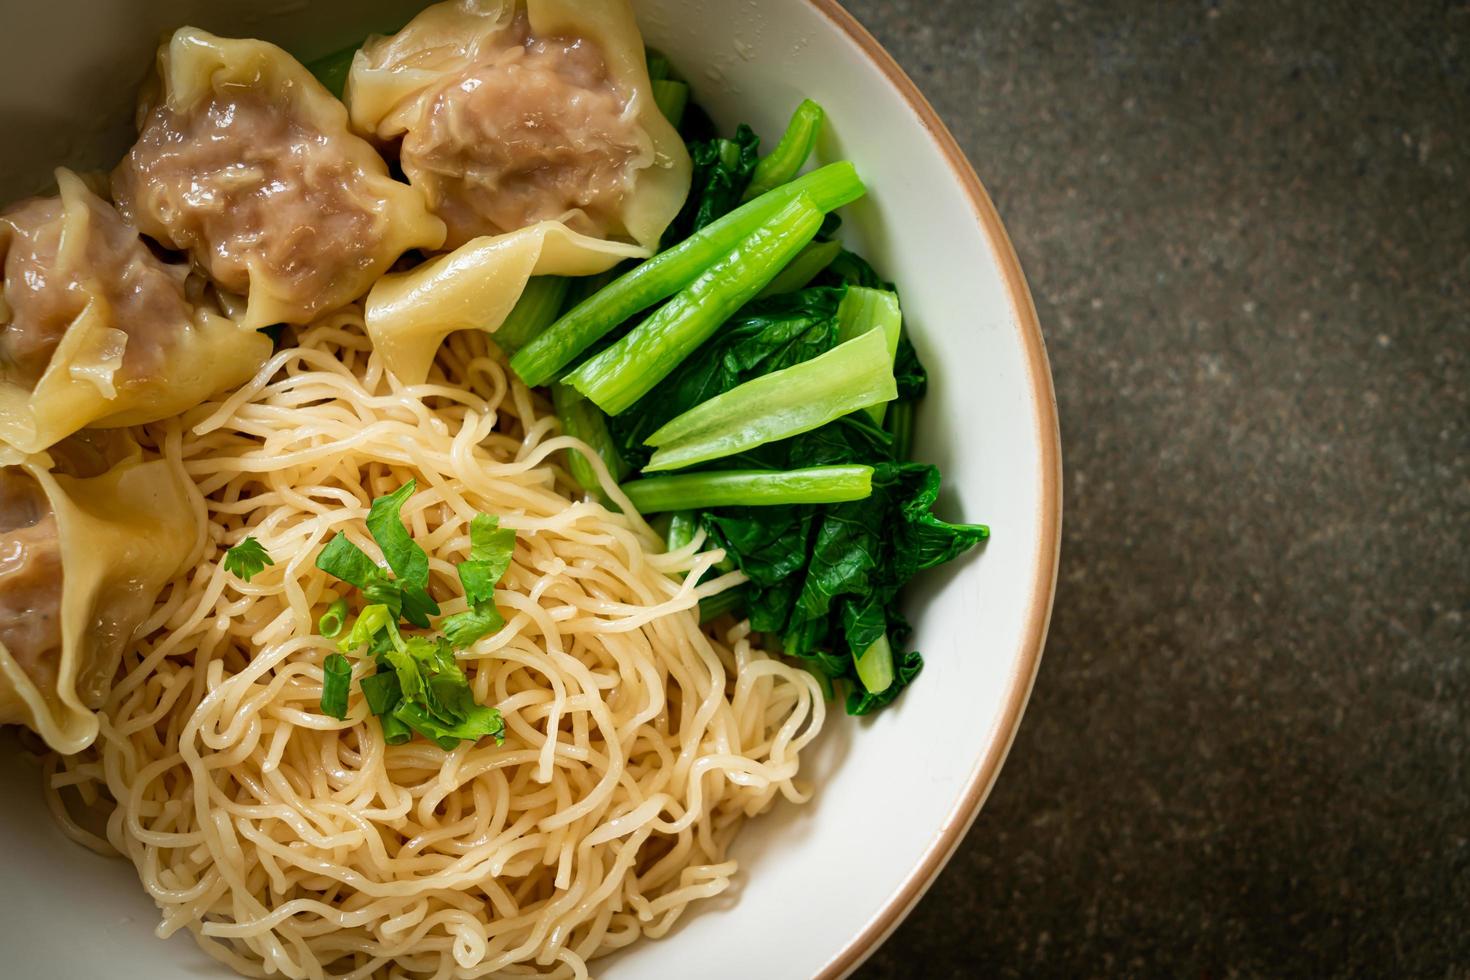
<point x="750" y="488"/>
<point x="540" y="303"/>
<point x="721" y="172"/>
<point x="382" y="691"/>
<point x="790" y="155"/>
<point x="717" y="605"/>
<point x="395" y="732"/>
<point x="435" y="697"/>
<point x="670" y="271"/>
<point x="875" y="666"/>
<point x="803" y="269"/>
<point x="406" y="593"/>
<point x="682" y="526"/>
<point x="766" y="336"/>
<point x="826" y="579"/>
<point x="671" y="97"/>
<point x="899" y="424"/>
<point x="491" y="548"/>
<point x="336" y="678"/>
<point x="404" y="556"/>
<point x="246" y="559"/>
<point x="658" y="66"/>
<point x="627" y="370"/>
<point x="865" y="309"/>
<point x="332" y="621"/>
<point x="797" y="399"/>
<point x="346" y="561"/>
<point x="583" y="420"/>
<point x="332" y="70"/>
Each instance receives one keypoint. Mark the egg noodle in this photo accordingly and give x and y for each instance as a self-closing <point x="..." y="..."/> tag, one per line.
<point x="291" y="843"/>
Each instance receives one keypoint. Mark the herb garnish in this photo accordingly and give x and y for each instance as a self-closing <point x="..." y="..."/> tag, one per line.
<point x="246" y="559"/>
<point x="419" y="685"/>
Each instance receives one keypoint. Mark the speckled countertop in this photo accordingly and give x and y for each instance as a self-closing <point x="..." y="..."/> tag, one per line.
<point x="1247" y="229"/>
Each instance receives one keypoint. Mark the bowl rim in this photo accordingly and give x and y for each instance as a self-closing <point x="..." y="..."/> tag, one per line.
<point x="1043" y="586"/>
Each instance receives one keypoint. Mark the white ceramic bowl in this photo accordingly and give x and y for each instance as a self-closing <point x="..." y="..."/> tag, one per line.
<point x="821" y="885"/>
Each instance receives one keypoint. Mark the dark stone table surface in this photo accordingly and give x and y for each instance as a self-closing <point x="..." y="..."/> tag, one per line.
<point x="1247" y="229"/>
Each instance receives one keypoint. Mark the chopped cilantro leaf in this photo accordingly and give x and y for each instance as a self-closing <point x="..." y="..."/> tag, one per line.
<point x="246" y="559"/>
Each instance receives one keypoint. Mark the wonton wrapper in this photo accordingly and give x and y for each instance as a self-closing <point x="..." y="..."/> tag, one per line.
<point x="395" y="80"/>
<point x="475" y="287"/>
<point x="117" y="364"/>
<point x="247" y="161"/>
<point x="122" y="536"/>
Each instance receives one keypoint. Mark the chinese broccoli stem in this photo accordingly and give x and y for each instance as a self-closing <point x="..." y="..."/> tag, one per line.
<point x="717" y="605"/>
<point x="789" y="155"/>
<point x="803" y="269"/>
<point x="581" y="420"/>
<point x="628" y="370"/>
<point x="784" y="403"/>
<point x="875" y="666"/>
<point x="658" y="66"/>
<point x="682" y="525"/>
<point x="668" y="272"/>
<point x="899" y="424"/>
<point x="671" y="97"/>
<point x="332" y="70"/>
<point x="750" y="488"/>
<point x="536" y="310"/>
<point x="864" y="309"/>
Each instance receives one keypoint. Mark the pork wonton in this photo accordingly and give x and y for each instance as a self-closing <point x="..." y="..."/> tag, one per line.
<point x="95" y="330"/>
<point x="84" y="551"/>
<point x="246" y="161"/>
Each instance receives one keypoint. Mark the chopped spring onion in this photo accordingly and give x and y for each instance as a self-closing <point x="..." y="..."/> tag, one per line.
<point x="849" y="377"/>
<point x="629" y="369"/>
<point x="332" y="621"/>
<point x="668" y="272"/>
<point x="789" y="155"/>
<point x="336" y="678"/>
<point x="751" y="488"/>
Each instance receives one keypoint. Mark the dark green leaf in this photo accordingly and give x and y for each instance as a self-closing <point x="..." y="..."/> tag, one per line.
<point x="344" y="560"/>
<point x="409" y="562"/>
<point x="860" y="702"/>
<point x="721" y="173"/>
<point x="463" y="629"/>
<point x="491" y="548"/>
<point x="382" y="691"/>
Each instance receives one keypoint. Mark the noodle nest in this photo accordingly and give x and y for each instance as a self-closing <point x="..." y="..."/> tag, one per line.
<point x="290" y="843"/>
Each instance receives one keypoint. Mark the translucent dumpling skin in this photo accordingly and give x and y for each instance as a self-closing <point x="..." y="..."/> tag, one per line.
<point x="96" y="330"/>
<point x="89" y="535"/>
<point x="245" y="161"/>
<point x="513" y="114"/>
<point x="30" y="577"/>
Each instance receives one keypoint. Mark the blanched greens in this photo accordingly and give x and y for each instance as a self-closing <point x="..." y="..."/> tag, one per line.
<point x="776" y="383"/>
